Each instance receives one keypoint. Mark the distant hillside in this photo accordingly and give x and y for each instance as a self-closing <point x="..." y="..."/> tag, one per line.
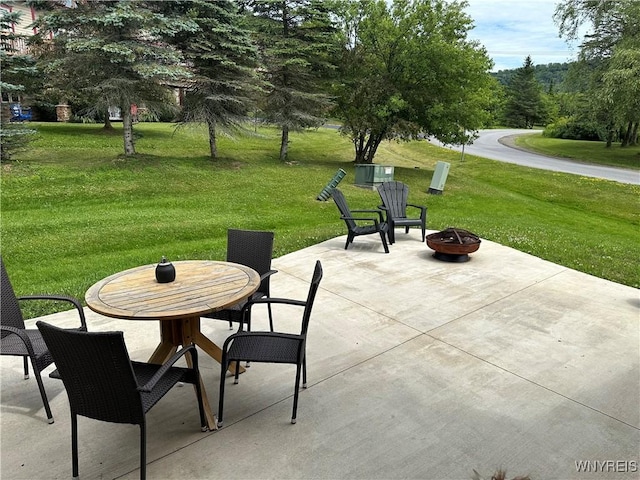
<point x="552" y="73"/>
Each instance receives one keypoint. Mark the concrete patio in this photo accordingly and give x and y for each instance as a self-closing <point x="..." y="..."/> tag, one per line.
<point x="417" y="368"/>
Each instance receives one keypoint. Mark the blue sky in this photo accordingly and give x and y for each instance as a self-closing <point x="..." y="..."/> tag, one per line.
<point x="512" y="29"/>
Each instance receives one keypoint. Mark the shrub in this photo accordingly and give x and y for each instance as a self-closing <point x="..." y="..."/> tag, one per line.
<point x="570" y="128"/>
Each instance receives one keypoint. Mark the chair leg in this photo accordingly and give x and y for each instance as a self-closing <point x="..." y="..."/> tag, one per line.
<point x="198" y="388"/>
<point x="349" y="240"/>
<point x="74" y="444"/>
<point x="143" y="450"/>
<point x="304" y="372"/>
<point x="43" y="393"/>
<point x="248" y="319"/>
<point x="295" y="395"/>
<point x="237" y="374"/>
<point x="270" y="316"/>
<point x="26" y="367"/>
<point x="223" y="373"/>
<point x="384" y="242"/>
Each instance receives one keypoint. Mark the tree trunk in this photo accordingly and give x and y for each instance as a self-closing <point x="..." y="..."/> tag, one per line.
<point x="284" y="143"/>
<point x="213" y="147"/>
<point x="627" y="135"/>
<point x="358" y="145"/>
<point x="634" y="134"/>
<point x="366" y="151"/>
<point x="107" y="122"/>
<point x="374" y="143"/>
<point x="127" y="132"/>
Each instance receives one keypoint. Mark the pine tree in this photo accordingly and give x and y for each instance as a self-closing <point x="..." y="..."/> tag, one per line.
<point x="115" y="52"/>
<point x="18" y="72"/>
<point x="223" y="61"/>
<point x="524" y="101"/>
<point x="296" y="40"/>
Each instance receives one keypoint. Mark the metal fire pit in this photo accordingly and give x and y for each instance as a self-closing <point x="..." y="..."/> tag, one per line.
<point x="453" y="244"/>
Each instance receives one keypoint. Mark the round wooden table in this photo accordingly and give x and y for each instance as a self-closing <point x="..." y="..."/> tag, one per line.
<point x="200" y="287"/>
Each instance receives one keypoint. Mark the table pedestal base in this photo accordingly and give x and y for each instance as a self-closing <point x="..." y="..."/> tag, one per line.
<point x="185" y="331"/>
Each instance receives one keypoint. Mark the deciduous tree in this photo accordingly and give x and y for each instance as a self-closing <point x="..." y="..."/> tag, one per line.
<point x="407" y="68"/>
<point x="608" y="59"/>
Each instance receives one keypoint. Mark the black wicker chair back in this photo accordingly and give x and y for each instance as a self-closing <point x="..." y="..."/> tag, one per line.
<point x="273" y="346"/>
<point x="16" y="340"/>
<point x="394" y="196"/>
<point x="102" y="382"/>
<point x="255" y="250"/>
<point x="365" y="223"/>
<point x="10" y="313"/>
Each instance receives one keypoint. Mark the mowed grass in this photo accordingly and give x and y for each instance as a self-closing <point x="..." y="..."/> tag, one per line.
<point x="582" y="150"/>
<point x="74" y="210"/>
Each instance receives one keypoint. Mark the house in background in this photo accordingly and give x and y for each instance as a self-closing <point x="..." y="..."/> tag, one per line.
<point x="12" y="108"/>
<point x="13" y="105"/>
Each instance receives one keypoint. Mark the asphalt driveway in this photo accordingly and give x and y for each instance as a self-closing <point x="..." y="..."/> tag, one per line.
<point x="498" y="145"/>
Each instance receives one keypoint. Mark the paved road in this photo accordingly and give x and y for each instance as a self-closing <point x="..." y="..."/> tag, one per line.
<point x="493" y="144"/>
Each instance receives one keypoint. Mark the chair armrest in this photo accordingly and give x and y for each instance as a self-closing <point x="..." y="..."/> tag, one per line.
<point x="422" y="208"/>
<point x="267" y="274"/>
<point x="361" y="219"/>
<point x="386" y="212"/>
<point x="22" y="335"/>
<point x="246" y="308"/>
<point x="63" y="298"/>
<point x="378" y="211"/>
<point x="147" y="387"/>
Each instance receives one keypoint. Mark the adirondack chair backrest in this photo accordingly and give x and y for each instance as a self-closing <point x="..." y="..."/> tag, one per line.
<point x="394" y="197"/>
<point x="341" y="203"/>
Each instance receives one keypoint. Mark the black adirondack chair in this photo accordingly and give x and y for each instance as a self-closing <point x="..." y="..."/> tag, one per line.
<point x="394" y="197"/>
<point x="367" y="222"/>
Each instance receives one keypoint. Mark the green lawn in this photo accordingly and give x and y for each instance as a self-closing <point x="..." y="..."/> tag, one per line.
<point x="74" y="210"/>
<point x="582" y="150"/>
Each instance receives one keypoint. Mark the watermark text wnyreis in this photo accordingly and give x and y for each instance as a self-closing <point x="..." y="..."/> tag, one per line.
<point x="606" y="466"/>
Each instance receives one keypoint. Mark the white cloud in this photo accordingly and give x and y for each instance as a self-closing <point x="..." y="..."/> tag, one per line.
<point x="512" y="29"/>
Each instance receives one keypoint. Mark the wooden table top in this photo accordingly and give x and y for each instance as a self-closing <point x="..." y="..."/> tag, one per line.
<point x="200" y="287"/>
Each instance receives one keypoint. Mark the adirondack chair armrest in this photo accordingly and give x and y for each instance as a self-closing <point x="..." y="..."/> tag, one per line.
<point x="375" y="221"/>
<point x="422" y="208"/>
<point x="379" y="212"/>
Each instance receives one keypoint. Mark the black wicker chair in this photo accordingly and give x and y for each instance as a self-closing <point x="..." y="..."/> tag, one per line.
<point x="255" y="250"/>
<point x="104" y="384"/>
<point x="271" y="347"/>
<point x="394" y="197"/>
<point x="360" y="225"/>
<point x="17" y="340"/>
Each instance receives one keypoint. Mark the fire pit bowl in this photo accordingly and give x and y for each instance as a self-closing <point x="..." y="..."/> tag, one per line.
<point x="453" y="244"/>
